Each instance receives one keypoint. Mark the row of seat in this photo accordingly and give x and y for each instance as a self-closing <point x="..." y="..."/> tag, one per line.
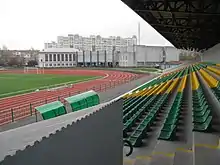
<point x="153" y="108"/>
<point x="129" y="111"/>
<point x="169" y="128"/>
<point x="153" y="103"/>
<point x="136" y="107"/>
<point x="201" y="111"/>
<point x="158" y="81"/>
<point x="212" y="83"/>
<point x="164" y="78"/>
<point x="141" y="131"/>
<point x="142" y="107"/>
<point x="202" y="116"/>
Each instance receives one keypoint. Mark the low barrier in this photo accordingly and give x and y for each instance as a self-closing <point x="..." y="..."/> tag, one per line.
<point x="27" y="110"/>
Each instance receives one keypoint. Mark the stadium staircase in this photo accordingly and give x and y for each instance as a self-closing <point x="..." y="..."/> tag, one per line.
<point x="175" y="119"/>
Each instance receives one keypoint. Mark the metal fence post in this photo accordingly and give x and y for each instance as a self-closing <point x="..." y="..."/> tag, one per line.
<point x="35" y="115"/>
<point x="31" y="109"/>
<point x="12" y="115"/>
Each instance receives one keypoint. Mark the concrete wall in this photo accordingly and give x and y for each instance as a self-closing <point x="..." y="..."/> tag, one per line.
<point x="127" y="59"/>
<point x="148" y="54"/>
<point x="154" y="54"/>
<point x="212" y="54"/>
<point x="172" y="54"/>
<point x="96" y="139"/>
<point x="94" y="56"/>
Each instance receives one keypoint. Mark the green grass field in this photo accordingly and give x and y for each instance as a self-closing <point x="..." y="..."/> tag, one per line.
<point x="13" y="84"/>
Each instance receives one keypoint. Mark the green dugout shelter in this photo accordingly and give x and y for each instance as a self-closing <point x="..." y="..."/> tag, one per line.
<point x="82" y="101"/>
<point x="51" y="110"/>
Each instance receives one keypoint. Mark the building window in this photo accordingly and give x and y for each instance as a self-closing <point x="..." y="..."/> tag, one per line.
<point x="46" y="64"/>
<point x="46" y="57"/>
<point x="66" y="64"/>
<point x="50" y="57"/>
<point x="54" y="57"/>
<point x="74" y="57"/>
<point x="54" y="65"/>
<point x="70" y="57"/>
<point x="62" y="57"/>
<point x="66" y="57"/>
<point x="62" y="64"/>
<point x="58" y="64"/>
<point x="58" y="57"/>
<point x="50" y="64"/>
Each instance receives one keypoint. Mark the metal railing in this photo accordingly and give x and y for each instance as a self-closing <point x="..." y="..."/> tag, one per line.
<point x="28" y="109"/>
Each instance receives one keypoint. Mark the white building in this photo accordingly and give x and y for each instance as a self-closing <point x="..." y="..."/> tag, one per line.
<point x="58" y="57"/>
<point x="50" y="45"/>
<point x="92" y="43"/>
<point x="133" y="56"/>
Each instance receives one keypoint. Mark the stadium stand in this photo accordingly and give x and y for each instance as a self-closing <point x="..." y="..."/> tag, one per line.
<point x="144" y="105"/>
<point x="171" y="107"/>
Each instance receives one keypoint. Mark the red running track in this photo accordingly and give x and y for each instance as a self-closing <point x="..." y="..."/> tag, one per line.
<point x="21" y="106"/>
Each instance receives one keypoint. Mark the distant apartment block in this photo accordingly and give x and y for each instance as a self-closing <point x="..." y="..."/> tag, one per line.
<point x="92" y="43"/>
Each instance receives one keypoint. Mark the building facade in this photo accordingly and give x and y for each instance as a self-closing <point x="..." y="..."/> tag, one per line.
<point x="57" y="57"/>
<point x="141" y="55"/>
<point x="133" y="56"/>
<point x="92" y="43"/>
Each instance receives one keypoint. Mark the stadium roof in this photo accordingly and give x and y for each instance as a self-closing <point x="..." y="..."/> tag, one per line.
<point x="185" y="23"/>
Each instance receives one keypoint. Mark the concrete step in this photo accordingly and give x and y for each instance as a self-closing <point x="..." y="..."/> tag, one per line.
<point x="128" y="161"/>
<point x="183" y="158"/>
<point x="206" y="156"/>
<point x="142" y="162"/>
<point x="161" y="160"/>
<point x="200" y="138"/>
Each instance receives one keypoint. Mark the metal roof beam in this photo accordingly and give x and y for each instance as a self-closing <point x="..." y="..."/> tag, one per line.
<point x="180" y="34"/>
<point x="179" y="12"/>
<point x="174" y="26"/>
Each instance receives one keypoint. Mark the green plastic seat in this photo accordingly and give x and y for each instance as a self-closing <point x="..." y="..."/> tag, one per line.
<point x="168" y="135"/>
<point x="201" y="119"/>
<point x="171" y="121"/>
<point x="204" y="126"/>
<point x="167" y="127"/>
<point x="200" y="104"/>
<point x="198" y="109"/>
<point x="201" y="112"/>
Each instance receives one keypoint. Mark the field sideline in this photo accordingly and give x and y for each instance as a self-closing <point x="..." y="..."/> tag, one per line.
<point x="13" y="84"/>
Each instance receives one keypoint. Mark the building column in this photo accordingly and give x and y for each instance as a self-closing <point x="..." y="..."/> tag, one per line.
<point x="105" y="58"/>
<point x="84" y="58"/>
<point x="76" y="58"/>
<point x="97" y="58"/>
<point x="90" y="58"/>
<point x="52" y="59"/>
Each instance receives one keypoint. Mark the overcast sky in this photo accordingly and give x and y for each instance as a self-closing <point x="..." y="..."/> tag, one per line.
<point x="30" y="23"/>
